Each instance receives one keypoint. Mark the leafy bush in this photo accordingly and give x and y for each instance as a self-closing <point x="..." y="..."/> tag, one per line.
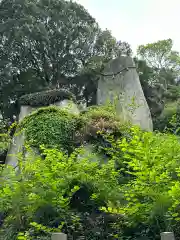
<point x="60" y="192"/>
<point x="57" y="128"/>
<point x="4" y="142"/>
<point x="52" y="127"/>
<point x="100" y="119"/>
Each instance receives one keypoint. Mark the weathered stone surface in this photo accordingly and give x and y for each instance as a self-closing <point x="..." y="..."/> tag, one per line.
<point x="167" y="236"/>
<point x="17" y="142"/>
<point x="121" y="86"/>
<point x="58" y="236"/>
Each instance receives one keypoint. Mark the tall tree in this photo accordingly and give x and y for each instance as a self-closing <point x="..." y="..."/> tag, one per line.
<point x="48" y="44"/>
<point x="162" y="59"/>
<point x="154" y="93"/>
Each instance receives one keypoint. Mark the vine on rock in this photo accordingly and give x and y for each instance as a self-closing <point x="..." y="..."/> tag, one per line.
<point x="52" y="127"/>
<point x="57" y="128"/>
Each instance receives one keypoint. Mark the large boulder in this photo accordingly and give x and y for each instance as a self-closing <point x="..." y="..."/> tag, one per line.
<point x="119" y="84"/>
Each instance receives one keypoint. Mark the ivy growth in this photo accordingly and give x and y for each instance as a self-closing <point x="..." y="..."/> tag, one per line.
<point x="52" y="127"/>
<point x="55" y="127"/>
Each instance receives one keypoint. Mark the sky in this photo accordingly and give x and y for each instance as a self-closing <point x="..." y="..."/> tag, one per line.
<point x="138" y="21"/>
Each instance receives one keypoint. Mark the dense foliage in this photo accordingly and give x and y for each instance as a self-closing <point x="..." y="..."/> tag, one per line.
<point x="126" y="184"/>
<point x="158" y="67"/>
<point x="52" y="127"/>
<point x="136" y="193"/>
<point x="57" y="128"/>
<point x="49" y="195"/>
<point x="169" y="120"/>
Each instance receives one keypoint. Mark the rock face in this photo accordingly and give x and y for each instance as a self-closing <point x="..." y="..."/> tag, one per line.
<point x="120" y="85"/>
<point x="18" y="141"/>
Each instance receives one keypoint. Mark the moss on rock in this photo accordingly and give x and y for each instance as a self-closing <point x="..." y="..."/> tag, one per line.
<point x="52" y="127"/>
<point x="46" y="98"/>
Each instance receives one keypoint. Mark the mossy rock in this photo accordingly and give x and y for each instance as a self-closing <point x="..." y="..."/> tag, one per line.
<point x="46" y="98"/>
<point x="52" y="127"/>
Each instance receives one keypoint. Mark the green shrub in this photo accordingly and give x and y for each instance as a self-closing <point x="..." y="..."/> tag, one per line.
<point x="98" y="120"/>
<point x="136" y="193"/>
<point x="52" y="127"/>
<point x="151" y="192"/>
<point x="5" y="140"/>
<point x="55" y="184"/>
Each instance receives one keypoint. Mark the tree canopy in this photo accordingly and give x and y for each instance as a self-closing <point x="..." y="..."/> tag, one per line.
<point x="49" y="44"/>
<point x="162" y="59"/>
<point x="158" y="66"/>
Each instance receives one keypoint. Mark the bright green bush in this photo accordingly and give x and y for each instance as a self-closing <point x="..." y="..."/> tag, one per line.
<point x="135" y="194"/>
<point x="52" y="183"/>
<point x="151" y="164"/>
<point x="52" y="127"/>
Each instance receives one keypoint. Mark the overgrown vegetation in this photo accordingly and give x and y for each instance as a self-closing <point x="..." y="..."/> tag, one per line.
<point x="57" y="128"/>
<point x="52" y="127"/>
<point x="136" y="193"/>
<point x="45" y="98"/>
<point x="127" y="185"/>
